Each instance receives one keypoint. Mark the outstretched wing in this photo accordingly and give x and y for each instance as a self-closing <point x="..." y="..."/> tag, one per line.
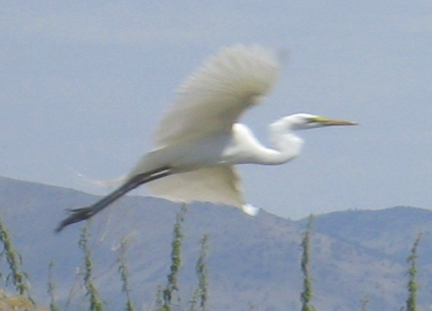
<point x="219" y="184"/>
<point x="212" y="99"/>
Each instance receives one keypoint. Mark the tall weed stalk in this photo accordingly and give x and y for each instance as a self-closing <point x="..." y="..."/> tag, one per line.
<point x="91" y="291"/>
<point x="411" y="303"/>
<point x="14" y="260"/>
<point x="124" y="274"/>
<point x="176" y="262"/>
<point x="200" y="294"/>
<point x="306" y="295"/>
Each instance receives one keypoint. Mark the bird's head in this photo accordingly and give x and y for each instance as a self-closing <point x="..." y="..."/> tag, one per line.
<point x="303" y="121"/>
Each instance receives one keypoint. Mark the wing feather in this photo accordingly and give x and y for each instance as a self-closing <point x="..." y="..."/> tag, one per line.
<point x="219" y="185"/>
<point x="212" y="99"/>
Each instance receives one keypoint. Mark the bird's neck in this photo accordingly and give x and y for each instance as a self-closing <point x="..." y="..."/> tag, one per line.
<point x="286" y="145"/>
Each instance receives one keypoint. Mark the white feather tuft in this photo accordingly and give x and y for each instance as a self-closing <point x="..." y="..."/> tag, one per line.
<point x="250" y="209"/>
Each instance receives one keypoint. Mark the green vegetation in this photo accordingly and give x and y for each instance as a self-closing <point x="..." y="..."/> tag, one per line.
<point x="306" y="295"/>
<point x="364" y="303"/>
<point x="200" y="295"/>
<point x="91" y="291"/>
<point x="411" y="303"/>
<point x="14" y="260"/>
<point x="176" y="262"/>
<point x="51" y="287"/>
<point x="164" y="296"/>
<point x="23" y="300"/>
<point x="168" y="297"/>
<point x="124" y="274"/>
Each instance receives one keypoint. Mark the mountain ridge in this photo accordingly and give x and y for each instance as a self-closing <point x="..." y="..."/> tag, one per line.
<point x="252" y="260"/>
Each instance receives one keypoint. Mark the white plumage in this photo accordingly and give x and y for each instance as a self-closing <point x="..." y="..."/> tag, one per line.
<point x="212" y="99"/>
<point x="208" y="104"/>
<point x="197" y="142"/>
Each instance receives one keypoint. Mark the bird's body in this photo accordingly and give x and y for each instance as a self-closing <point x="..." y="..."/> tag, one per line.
<point x="239" y="146"/>
<point x="198" y="142"/>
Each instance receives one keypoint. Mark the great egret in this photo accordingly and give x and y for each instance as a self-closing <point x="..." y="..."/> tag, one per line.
<point x="198" y="142"/>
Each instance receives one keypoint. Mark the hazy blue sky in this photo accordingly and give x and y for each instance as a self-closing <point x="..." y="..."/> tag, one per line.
<point x="84" y="83"/>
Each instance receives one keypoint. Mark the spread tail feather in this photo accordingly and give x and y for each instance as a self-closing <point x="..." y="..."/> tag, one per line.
<point x="83" y="213"/>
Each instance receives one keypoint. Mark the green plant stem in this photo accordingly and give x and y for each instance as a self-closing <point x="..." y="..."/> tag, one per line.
<point x="19" y="279"/>
<point x="411" y="303"/>
<point x="91" y="291"/>
<point x="306" y="295"/>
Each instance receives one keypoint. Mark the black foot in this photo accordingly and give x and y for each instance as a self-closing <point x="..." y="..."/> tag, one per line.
<point x="77" y="215"/>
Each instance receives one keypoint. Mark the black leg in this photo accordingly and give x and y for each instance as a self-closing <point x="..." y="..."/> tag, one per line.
<point x="83" y="213"/>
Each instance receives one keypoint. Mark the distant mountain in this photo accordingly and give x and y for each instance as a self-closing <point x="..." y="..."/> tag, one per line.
<point x="252" y="261"/>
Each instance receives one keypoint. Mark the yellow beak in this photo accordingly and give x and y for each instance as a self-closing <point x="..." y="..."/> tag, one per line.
<point x="328" y="122"/>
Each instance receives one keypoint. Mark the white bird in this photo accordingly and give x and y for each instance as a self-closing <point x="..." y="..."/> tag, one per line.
<point x="198" y="142"/>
